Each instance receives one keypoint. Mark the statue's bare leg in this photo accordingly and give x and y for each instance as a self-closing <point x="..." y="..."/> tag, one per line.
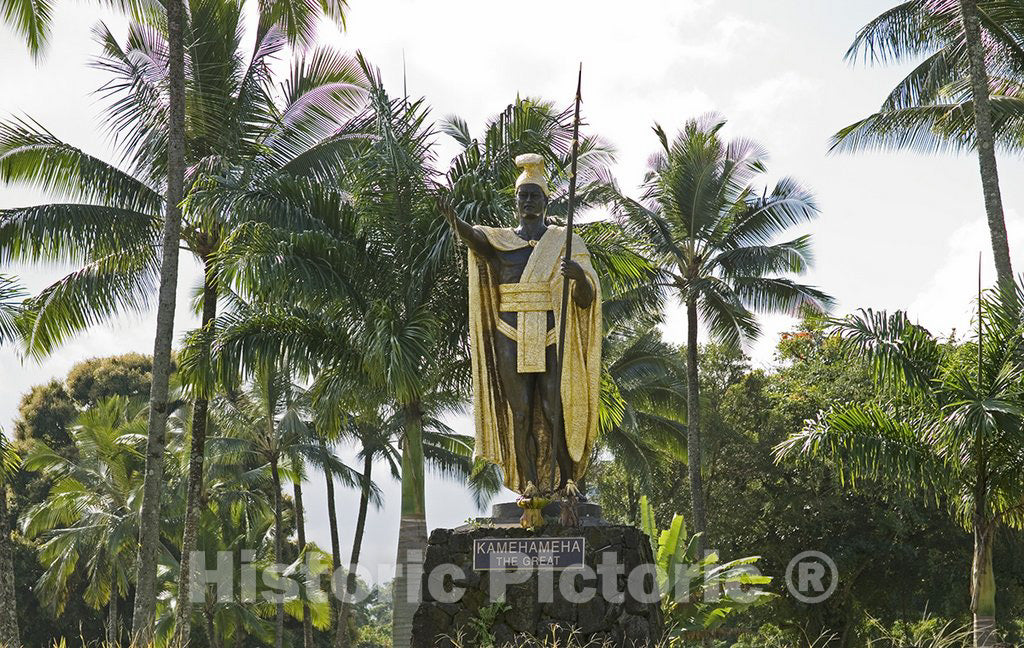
<point x="549" y="387"/>
<point x="518" y="390"/>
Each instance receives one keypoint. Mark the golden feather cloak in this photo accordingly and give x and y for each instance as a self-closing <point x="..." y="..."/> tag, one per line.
<point x="581" y="376"/>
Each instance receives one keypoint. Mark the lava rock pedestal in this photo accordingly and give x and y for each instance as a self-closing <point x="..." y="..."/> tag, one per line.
<point x="620" y="619"/>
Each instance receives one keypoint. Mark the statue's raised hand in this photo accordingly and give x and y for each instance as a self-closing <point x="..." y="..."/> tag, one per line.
<point x="445" y="205"/>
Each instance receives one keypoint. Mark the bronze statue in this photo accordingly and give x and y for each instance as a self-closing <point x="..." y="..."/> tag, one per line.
<point x="524" y="411"/>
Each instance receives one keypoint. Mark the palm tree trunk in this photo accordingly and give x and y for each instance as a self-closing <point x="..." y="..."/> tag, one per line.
<point x="8" y="598"/>
<point x="986" y="141"/>
<point x="357" y="544"/>
<point x="194" y="493"/>
<point x="983" y="587"/>
<point x="300" y="524"/>
<point x="693" y="440"/>
<point x="112" y="620"/>
<point x="332" y="518"/>
<point x="149" y="518"/>
<point x="278" y="550"/>
<point x="211" y="628"/>
<point x="412" y="532"/>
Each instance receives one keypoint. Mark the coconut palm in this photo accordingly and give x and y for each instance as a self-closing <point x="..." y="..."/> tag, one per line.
<point x="950" y="433"/>
<point x="266" y="423"/>
<point x="90" y="519"/>
<point x="10" y="296"/>
<point x="966" y="93"/>
<point x="225" y="86"/>
<point x="712" y="231"/>
<point x="390" y="293"/>
<point x="236" y="515"/>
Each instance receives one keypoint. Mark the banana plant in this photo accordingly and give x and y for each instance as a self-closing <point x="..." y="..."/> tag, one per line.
<point x="698" y="593"/>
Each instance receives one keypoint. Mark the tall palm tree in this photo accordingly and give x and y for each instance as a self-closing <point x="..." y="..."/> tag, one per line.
<point x="268" y="424"/>
<point x="10" y="304"/>
<point x="972" y="49"/>
<point x="950" y="433"/>
<point x="174" y="188"/>
<point x="91" y="515"/>
<point x="375" y="276"/>
<point x="237" y="515"/>
<point x="712" y="232"/>
<point x="116" y="236"/>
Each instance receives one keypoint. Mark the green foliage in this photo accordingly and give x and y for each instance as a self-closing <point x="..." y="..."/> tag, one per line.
<point x="712" y="231"/>
<point x="699" y="593"/>
<point x="483" y="622"/>
<point x="240" y="135"/>
<point x="96" y="379"/>
<point x="932" y="109"/>
<point x="10" y="305"/>
<point x="88" y="514"/>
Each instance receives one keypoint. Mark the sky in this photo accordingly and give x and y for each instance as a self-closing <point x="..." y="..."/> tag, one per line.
<point x="897" y="230"/>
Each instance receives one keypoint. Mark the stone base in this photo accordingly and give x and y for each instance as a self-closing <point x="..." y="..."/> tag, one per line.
<point x="619" y="619"/>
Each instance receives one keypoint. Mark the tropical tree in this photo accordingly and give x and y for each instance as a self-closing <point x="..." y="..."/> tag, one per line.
<point x="712" y="232"/>
<point x="10" y="295"/>
<point x="378" y="431"/>
<point x="236" y="516"/>
<point x="389" y="287"/>
<point x="90" y="519"/>
<point x="116" y="237"/>
<point x="267" y="423"/>
<point x="173" y="192"/>
<point x="965" y="94"/>
<point x="950" y="431"/>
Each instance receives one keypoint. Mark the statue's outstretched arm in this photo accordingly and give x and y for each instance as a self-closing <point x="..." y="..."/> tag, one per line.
<point x="470" y="235"/>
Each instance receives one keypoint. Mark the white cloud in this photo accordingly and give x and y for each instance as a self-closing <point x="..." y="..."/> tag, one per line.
<point x="949" y="301"/>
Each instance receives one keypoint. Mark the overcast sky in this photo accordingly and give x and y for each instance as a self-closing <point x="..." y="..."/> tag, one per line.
<point x="896" y="231"/>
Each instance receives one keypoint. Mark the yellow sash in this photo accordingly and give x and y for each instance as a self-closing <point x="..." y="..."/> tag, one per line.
<point x="531" y="302"/>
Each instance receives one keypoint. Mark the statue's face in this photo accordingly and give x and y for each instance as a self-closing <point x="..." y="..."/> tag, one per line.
<point x="531" y="201"/>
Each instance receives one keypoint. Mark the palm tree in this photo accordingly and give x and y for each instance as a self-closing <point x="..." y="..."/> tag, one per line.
<point x="91" y="514"/>
<point x="116" y="237"/>
<point x="10" y="296"/>
<point x="950" y="433"/>
<point x="947" y="101"/>
<point x="641" y="418"/>
<point x="267" y="424"/>
<point x="711" y="231"/>
<point x="369" y="247"/>
<point x="237" y="515"/>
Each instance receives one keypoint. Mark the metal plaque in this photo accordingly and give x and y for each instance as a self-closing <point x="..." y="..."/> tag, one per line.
<point x="528" y="553"/>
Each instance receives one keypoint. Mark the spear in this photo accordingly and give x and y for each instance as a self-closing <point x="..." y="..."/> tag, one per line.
<point x="565" y="282"/>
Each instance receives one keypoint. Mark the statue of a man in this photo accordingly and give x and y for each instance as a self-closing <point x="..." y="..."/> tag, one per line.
<point x="515" y="294"/>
